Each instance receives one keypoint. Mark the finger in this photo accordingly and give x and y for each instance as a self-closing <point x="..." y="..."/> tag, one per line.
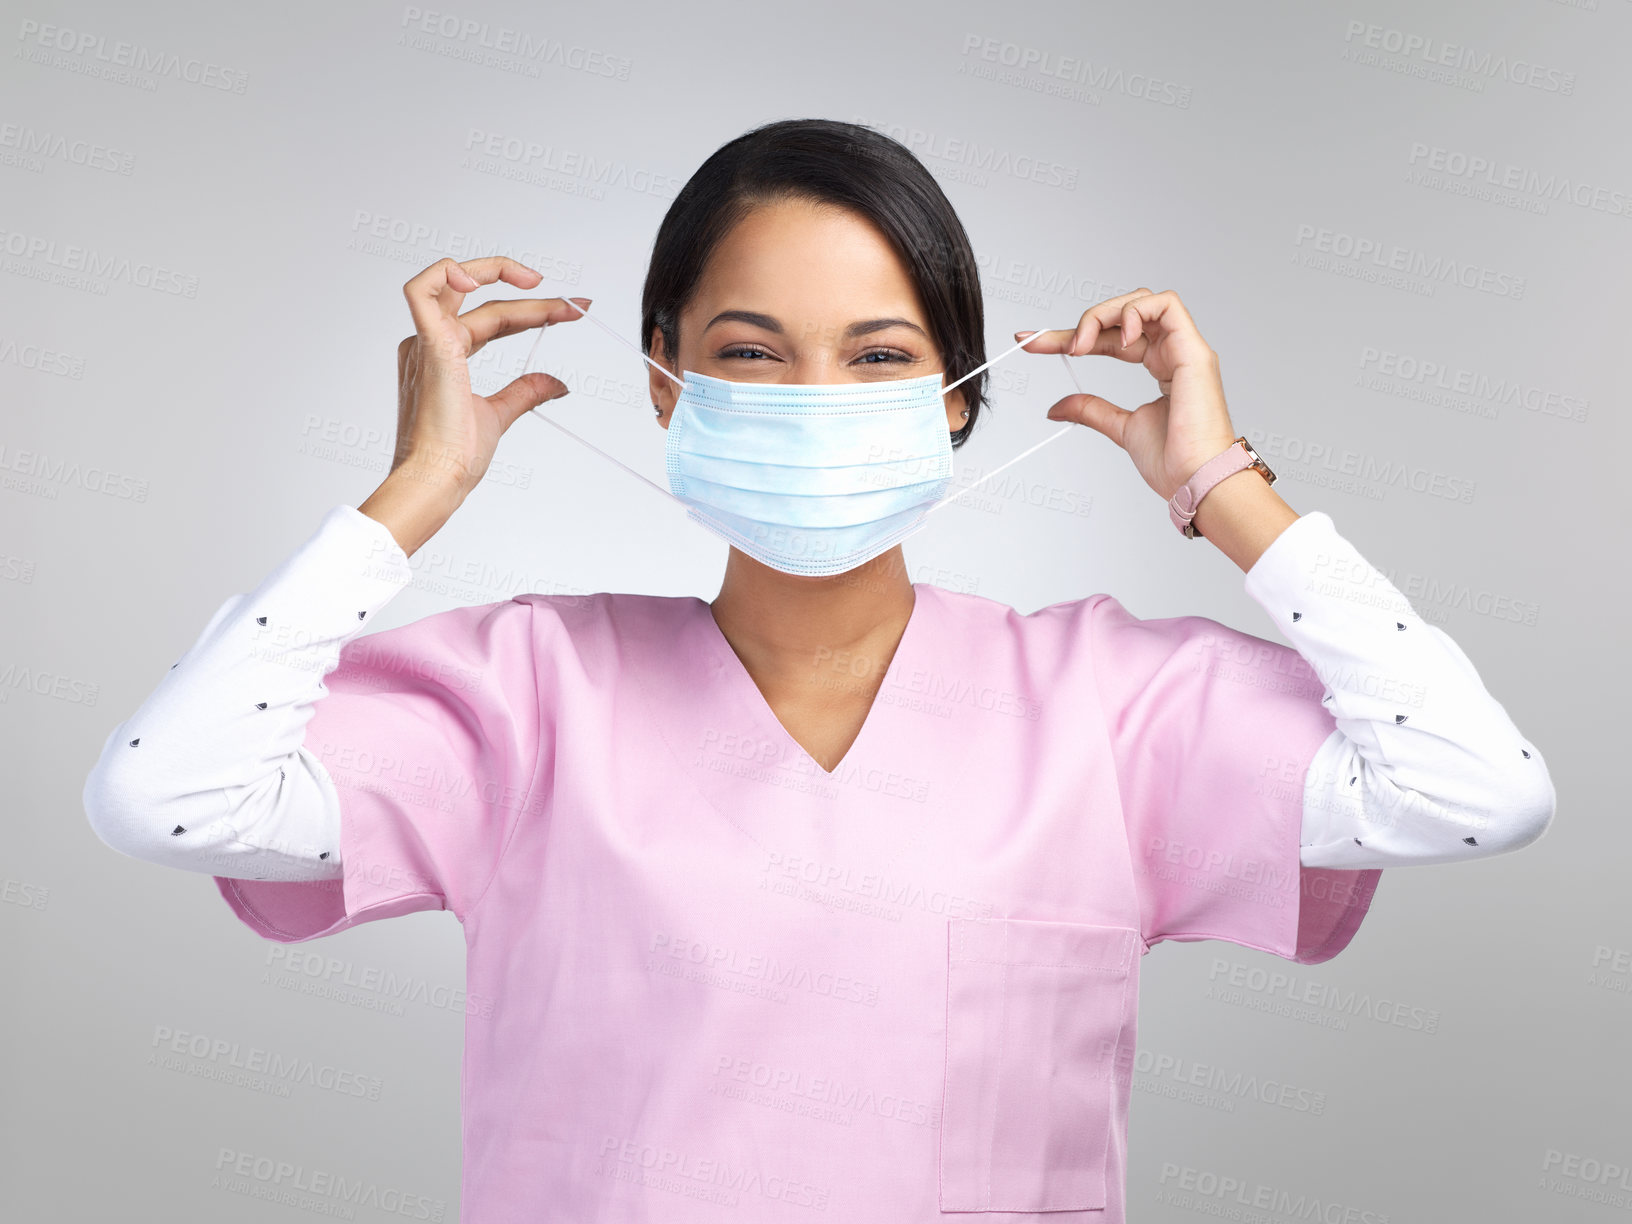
<point x="1172" y="324"/>
<point x="1054" y="341"/>
<point x="1083" y="339"/>
<point x="1088" y="330"/>
<point x="1115" y="304"/>
<point x="491" y="320"/>
<point x="1134" y="315"/>
<point x="1097" y="319"/>
<point x="438" y="291"/>
<point x="1094" y="411"/>
<point x="525" y="394"/>
<point x="1106" y="343"/>
<point x="1164" y="308"/>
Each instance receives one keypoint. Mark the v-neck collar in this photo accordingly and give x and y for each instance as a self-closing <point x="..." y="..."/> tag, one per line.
<point x="722" y="739"/>
<point x="733" y="672"/>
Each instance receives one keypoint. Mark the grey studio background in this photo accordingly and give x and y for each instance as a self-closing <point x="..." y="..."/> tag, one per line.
<point x="1405" y="229"/>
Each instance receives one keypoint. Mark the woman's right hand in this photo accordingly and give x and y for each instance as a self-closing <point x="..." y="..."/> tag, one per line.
<point x="446" y="436"/>
<point x="444" y="430"/>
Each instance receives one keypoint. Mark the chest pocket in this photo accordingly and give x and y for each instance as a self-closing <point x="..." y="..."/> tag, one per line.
<point x="1034" y="1026"/>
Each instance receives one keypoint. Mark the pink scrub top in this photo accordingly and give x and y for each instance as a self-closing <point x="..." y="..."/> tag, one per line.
<point x="717" y="983"/>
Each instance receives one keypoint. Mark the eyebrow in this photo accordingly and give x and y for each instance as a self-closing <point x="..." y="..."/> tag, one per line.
<point x="864" y="328"/>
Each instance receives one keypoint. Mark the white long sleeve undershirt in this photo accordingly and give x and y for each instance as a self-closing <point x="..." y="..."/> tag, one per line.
<point x="1424" y="766"/>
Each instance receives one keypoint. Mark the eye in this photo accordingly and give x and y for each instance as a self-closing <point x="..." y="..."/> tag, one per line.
<point x="878" y="356"/>
<point x="742" y="350"/>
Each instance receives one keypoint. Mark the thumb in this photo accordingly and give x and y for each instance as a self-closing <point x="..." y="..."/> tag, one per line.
<point x="1094" y="411"/>
<point x="524" y="394"/>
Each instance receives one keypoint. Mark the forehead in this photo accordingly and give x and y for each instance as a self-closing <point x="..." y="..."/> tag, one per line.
<point x="806" y="263"/>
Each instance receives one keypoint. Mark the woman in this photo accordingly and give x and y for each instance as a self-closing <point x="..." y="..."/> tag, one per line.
<point x="829" y="893"/>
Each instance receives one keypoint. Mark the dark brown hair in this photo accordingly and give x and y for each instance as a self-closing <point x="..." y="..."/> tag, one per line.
<point x="843" y="164"/>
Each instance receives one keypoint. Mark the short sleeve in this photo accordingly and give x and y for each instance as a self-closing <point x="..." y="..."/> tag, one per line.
<point x="427" y="736"/>
<point x="1213" y="732"/>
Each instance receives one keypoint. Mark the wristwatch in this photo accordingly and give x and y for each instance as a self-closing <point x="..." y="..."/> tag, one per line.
<point x="1234" y="458"/>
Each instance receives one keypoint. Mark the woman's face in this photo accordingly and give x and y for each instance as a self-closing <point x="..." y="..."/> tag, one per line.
<point x="800" y="292"/>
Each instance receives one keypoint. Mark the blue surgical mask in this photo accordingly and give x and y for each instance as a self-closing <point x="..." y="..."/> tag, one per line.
<point x="808" y="478"/>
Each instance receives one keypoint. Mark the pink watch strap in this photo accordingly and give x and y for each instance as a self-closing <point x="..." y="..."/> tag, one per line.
<point x="1239" y="455"/>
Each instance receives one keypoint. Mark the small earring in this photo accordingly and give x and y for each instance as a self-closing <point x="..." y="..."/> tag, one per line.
<point x="657" y="410"/>
<point x="966" y="414"/>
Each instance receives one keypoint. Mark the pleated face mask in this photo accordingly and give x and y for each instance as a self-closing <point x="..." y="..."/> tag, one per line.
<point x="807" y="478"/>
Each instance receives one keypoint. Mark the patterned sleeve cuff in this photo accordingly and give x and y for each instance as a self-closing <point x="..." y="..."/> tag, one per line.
<point x="1425" y="765"/>
<point x="206" y="775"/>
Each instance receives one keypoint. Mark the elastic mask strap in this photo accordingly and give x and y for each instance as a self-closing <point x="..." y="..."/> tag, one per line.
<point x="1059" y="433"/>
<point x="613" y="458"/>
<point x="690" y="509"/>
<point x="994" y="361"/>
<point x="616" y="335"/>
<point x="609" y="330"/>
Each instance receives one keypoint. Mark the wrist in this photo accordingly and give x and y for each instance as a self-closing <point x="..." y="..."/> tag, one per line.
<point x="446" y="472"/>
<point x="413" y="503"/>
<point x="1190" y="466"/>
<point x="1205" y="485"/>
<point x="1242" y="516"/>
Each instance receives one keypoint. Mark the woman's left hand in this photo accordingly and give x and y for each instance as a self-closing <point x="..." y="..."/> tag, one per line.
<point x="1171" y="436"/>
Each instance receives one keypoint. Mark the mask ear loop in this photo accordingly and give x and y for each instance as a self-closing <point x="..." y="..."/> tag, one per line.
<point x="1059" y="433"/>
<point x="611" y="331"/>
<point x="616" y="335"/>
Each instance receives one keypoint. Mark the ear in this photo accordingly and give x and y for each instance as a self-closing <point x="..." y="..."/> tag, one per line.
<point x="662" y="391"/>
<point x="955" y="406"/>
